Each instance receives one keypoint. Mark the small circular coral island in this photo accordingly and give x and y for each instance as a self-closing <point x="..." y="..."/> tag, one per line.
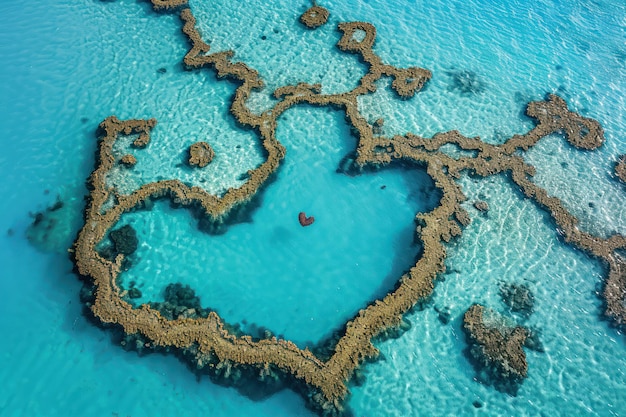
<point x="200" y="154"/>
<point x="314" y="17"/>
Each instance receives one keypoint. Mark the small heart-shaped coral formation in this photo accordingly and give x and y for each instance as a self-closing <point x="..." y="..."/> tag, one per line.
<point x="304" y="220"/>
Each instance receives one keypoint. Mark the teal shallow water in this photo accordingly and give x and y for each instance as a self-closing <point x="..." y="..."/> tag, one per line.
<point x="66" y="66"/>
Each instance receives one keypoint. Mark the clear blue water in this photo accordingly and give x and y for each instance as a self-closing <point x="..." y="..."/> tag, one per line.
<point x="65" y="66"/>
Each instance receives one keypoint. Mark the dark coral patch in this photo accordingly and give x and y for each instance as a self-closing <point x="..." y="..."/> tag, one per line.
<point x="496" y="348"/>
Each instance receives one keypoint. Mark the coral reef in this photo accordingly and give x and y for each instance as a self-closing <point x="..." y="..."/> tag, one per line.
<point x="620" y="168"/>
<point x="52" y="229"/>
<point x="205" y="338"/>
<point x="134" y="293"/>
<point x="378" y="126"/>
<point x="466" y="82"/>
<point x="614" y="293"/>
<point x="533" y="341"/>
<point x="481" y="206"/>
<point x="40" y="230"/>
<point x="200" y="154"/>
<point x="443" y="314"/>
<point x="128" y="160"/>
<point x="168" y="4"/>
<point x="304" y="220"/>
<point x="180" y="300"/>
<point x="124" y="240"/>
<point x="518" y="298"/>
<point x="314" y="17"/>
<point x="496" y="348"/>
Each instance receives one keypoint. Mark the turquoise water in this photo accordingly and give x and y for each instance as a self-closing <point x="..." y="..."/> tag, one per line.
<point x="65" y="66"/>
<point x="270" y="257"/>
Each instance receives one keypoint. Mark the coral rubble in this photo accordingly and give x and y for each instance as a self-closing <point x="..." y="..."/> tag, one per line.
<point x="211" y="340"/>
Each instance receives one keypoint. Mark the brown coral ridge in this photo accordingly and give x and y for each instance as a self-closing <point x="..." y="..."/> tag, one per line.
<point x="325" y="379"/>
<point x="620" y="168"/>
<point x="407" y="81"/>
<point x="200" y="154"/>
<point x="496" y="348"/>
<point x="614" y="293"/>
<point x="167" y="5"/>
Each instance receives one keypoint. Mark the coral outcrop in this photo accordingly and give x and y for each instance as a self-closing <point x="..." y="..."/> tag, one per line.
<point x="481" y="206"/>
<point x="304" y="220"/>
<point x="210" y="339"/>
<point x="314" y="17"/>
<point x="128" y="160"/>
<point x="125" y="240"/>
<point x="518" y="298"/>
<point x="496" y="347"/>
<point x="46" y="232"/>
<point x="200" y="154"/>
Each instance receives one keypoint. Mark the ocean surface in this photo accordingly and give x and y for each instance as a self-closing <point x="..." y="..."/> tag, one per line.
<point x="66" y="65"/>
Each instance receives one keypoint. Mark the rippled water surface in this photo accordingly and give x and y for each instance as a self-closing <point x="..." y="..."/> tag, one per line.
<point x="67" y="65"/>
